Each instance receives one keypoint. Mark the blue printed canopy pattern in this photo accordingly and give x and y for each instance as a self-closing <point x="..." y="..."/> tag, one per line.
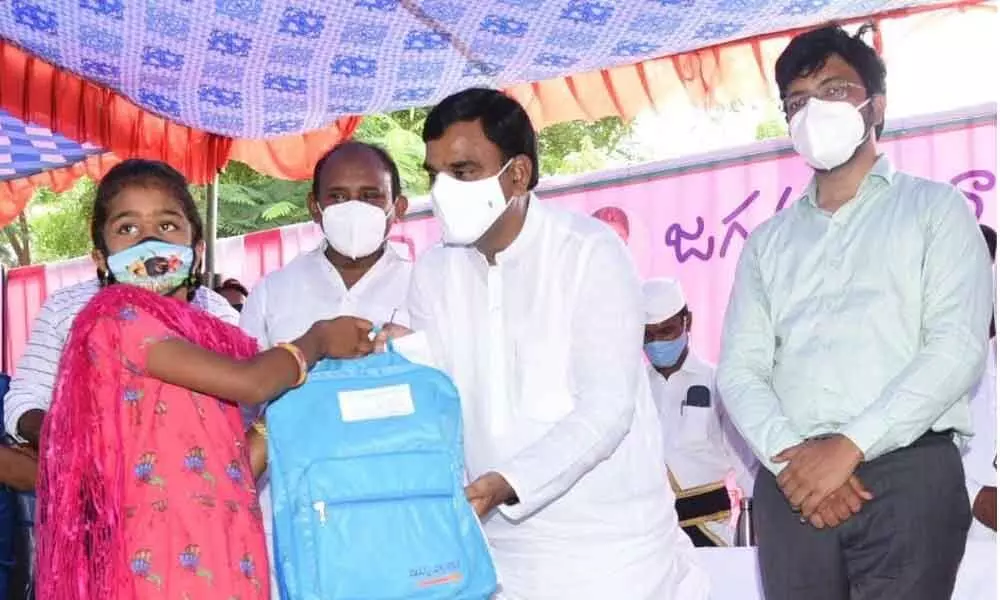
<point x="27" y="149"/>
<point x="261" y="68"/>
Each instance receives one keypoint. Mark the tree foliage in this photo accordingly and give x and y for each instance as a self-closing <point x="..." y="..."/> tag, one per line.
<point x="56" y="226"/>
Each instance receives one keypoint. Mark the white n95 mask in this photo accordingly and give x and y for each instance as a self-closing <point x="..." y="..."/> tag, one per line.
<point x="354" y="228"/>
<point x="467" y="209"/>
<point x="826" y="133"/>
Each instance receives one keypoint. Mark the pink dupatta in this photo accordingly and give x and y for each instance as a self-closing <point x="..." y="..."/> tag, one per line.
<point x="80" y="521"/>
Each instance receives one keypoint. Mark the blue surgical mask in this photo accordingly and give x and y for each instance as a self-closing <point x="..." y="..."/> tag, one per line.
<point x="153" y="264"/>
<point x="665" y="353"/>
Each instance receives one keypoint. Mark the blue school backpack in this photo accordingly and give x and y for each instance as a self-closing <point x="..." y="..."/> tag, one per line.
<point x="367" y="467"/>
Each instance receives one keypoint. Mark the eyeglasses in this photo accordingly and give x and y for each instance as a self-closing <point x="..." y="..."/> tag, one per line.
<point x="831" y="91"/>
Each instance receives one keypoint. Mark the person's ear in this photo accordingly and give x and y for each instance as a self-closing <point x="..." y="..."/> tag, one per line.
<point x="520" y="175"/>
<point x="878" y="110"/>
<point x="690" y="320"/>
<point x="100" y="261"/>
<point x="314" y="210"/>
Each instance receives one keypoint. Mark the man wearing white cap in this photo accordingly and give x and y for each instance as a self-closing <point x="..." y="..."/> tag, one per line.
<point x="706" y="458"/>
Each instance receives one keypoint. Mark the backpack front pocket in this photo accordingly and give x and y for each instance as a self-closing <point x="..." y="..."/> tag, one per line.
<point x="397" y="507"/>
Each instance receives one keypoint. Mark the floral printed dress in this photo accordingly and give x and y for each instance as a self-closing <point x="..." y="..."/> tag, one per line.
<point x="192" y="525"/>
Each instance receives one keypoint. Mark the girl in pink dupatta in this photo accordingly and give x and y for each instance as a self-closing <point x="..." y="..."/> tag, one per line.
<point x="145" y="489"/>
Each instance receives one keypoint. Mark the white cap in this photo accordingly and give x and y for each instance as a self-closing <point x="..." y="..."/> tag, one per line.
<point x="662" y="299"/>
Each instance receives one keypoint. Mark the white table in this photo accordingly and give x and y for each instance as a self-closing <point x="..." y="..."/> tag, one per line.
<point x="735" y="577"/>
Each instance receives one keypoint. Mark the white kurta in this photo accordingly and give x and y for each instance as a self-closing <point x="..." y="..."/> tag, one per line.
<point x="979" y="456"/>
<point x="545" y="348"/>
<point x="286" y="303"/>
<point x="700" y="445"/>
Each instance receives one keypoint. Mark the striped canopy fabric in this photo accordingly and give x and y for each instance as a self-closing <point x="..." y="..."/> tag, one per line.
<point x="27" y="149"/>
<point x="263" y="68"/>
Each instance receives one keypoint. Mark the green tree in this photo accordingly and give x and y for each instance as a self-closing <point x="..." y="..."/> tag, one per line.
<point x="249" y="201"/>
<point x="17" y="243"/>
<point x="773" y="126"/>
<point x="56" y="226"/>
<point x="578" y="146"/>
<point x="60" y="223"/>
<point x="399" y="133"/>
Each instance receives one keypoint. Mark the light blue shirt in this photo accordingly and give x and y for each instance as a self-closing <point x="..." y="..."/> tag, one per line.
<point x="871" y="322"/>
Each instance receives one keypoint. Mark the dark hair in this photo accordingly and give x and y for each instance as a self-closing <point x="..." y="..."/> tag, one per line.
<point x="503" y="119"/>
<point x="138" y="172"/>
<point x="809" y="51"/>
<point x="990" y="235"/>
<point x="232" y="284"/>
<point x="390" y="165"/>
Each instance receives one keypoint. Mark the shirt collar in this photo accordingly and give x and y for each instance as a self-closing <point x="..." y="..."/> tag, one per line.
<point x="882" y="171"/>
<point x="533" y="219"/>
<point x="693" y="363"/>
<point x="388" y="258"/>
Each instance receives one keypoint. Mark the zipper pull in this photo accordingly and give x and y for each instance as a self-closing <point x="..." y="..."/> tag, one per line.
<point x="320" y="507"/>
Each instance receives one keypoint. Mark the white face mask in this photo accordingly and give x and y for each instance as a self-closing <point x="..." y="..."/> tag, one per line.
<point x="826" y="133"/>
<point x="466" y="209"/>
<point x="354" y="228"/>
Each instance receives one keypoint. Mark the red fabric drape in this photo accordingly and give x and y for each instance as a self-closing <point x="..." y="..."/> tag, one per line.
<point x="40" y="93"/>
<point x="717" y="75"/>
<point x="293" y="156"/>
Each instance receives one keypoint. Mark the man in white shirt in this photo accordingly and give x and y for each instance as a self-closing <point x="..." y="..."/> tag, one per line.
<point x="234" y="292"/>
<point x="856" y="326"/>
<point x="536" y="314"/>
<point x="30" y="392"/>
<point x="356" y="197"/>
<point x="709" y="464"/>
<point x="980" y="458"/>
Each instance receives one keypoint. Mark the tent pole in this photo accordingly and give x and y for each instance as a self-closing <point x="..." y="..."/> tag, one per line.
<point x="211" y="227"/>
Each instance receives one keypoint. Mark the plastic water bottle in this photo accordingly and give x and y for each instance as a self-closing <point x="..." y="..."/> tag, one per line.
<point x="745" y="535"/>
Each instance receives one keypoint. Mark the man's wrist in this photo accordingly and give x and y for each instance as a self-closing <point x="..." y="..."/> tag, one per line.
<point x="507" y="495"/>
<point x="849" y="445"/>
<point x="29" y="426"/>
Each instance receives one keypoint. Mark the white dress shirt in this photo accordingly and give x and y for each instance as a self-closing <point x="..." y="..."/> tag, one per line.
<point x="286" y="303"/>
<point x="700" y="445"/>
<point x="980" y="455"/>
<point x="545" y="349"/>
<point x="870" y="322"/>
<point x="33" y="382"/>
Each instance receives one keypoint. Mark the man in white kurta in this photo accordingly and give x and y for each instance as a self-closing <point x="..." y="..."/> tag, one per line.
<point x="543" y="340"/>
<point x="328" y="282"/>
<point x="710" y="465"/>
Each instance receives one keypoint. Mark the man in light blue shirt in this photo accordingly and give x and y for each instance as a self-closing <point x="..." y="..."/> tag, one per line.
<point x="856" y="327"/>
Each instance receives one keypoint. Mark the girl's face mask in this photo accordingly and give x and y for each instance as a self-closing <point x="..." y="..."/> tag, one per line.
<point x="154" y="265"/>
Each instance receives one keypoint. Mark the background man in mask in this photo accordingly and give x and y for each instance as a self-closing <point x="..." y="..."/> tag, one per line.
<point x="356" y="197"/>
<point x="536" y="314"/>
<point x="856" y="326"/>
<point x="234" y="292"/>
<point x="706" y="458"/>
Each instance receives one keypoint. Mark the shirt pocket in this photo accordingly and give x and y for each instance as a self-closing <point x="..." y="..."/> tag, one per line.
<point x="543" y="392"/>
<point x="697" y="425"/>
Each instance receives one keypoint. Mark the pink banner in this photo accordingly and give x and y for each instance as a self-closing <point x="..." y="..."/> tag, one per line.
<point x="691" y="224"/>
<point x="687" y="221"/>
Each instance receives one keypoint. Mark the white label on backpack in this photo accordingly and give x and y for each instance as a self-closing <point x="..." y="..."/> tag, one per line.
<point x="376" y="403"/>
